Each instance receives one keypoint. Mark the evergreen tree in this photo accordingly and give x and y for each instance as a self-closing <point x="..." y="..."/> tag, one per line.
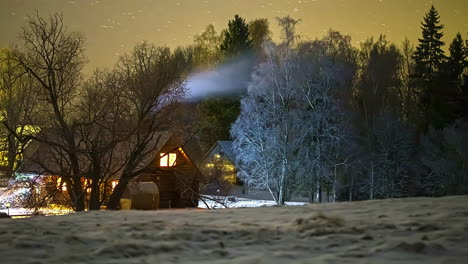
<point x="429" y="58"/>
<point x="236" y="37"/>
<point x="429" y="55"/>
<point x="457" y="61"/>
<point x="465" y="74"/>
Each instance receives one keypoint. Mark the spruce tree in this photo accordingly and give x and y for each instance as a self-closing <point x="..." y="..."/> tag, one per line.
<point x="429" y="55"/>
<point x="236" y="37"/>
<point x="457" y="61"/>
<point x="451" y="96"/>
<point x="429" y="58"/>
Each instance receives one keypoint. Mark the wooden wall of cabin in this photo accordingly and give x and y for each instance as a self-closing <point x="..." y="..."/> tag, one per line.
<point x="177" y="185"/>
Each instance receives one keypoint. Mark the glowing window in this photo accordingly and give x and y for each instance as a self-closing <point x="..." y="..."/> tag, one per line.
<point x="87" y="185"/>
<point x="61" y="184"/>
<point x="167" y="159"/>
<point x="114" y="183"/>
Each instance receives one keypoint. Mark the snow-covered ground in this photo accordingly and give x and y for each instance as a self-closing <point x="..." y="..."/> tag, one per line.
<point x="223" y="202"/>
<point x="394" y="231"/>
<point x="233" y="202"/>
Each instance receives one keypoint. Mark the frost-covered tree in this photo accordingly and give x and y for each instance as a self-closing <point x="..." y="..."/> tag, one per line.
<point x="444" y="161"/>
<point x="393" y="156"/>
<point x="290" y="124"/>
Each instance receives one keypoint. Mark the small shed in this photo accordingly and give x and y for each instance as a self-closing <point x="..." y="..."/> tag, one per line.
<point x="140" y="196"/>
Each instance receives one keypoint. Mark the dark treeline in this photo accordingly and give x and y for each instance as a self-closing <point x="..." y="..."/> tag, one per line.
<point x="381" y="120"/>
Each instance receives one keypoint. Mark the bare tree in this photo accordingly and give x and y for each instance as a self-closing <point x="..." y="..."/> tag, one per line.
<point x="444" y="161"/>
<point x="54" y="57"/>
<point x="288" y="28"/>
<point x="206" y="49"/>
<point x="154" y="80"/>
<point x="17" y="103"/>
<point x="259" y="32"/>
<point x="104" y="128"/>
<point x="393" y="157"/>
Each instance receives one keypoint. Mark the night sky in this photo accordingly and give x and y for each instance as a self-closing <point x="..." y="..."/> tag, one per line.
<point x="112" y="27"/>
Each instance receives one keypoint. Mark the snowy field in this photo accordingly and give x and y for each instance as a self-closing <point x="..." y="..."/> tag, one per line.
<point x="413" y="230"/>
<point x="233" y="202"/>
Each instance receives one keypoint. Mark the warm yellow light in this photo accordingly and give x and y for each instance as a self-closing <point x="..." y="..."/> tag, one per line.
<point x="167" y="159"/>
<point x="163" y="160"/>
<point x="230" y="178"/>
<point x="87" y="185"/>
<point x="228" y="167"/>
<point x="59" y="183"/>
<point x="114" y="183"/>
<point x="172" y="159"/>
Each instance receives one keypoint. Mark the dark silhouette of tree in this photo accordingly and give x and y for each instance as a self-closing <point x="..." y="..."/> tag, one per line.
<point x="206" y="48"/>
<point x="429" y="55"/>
<point x="216" y="117"/>
<point x="457" y="62"/>
<point x="429" y="58"/>
<point x="453" y="80"/>
<point x="216" y="114"/>
<point x="288" y="26"/>
<point x="409" y="97"/>
<point x="236" y="37"/>
<point x="259" y="32"/>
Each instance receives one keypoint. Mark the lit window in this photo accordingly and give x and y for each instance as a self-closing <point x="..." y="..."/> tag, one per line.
<point x="114" y="183"/>
<point x="87" y="185"/>
<point x="61" y="184"/>
<point x="228" y="167"/>
<point x="167" y="159"/>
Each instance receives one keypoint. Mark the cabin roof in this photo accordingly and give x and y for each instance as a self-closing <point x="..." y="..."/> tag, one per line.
<point x="38" y="152"/>
<point x="226" y="147"/>
<point x="185" y="141"/>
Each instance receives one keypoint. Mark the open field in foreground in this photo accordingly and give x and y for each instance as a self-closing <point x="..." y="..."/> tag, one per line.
<point x="416" y="230"/>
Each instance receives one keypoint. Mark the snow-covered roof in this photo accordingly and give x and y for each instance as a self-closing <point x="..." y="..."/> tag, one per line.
<point x="225" y="147"/>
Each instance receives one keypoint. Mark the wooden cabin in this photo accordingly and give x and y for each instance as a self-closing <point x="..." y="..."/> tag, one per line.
<point x="175" y="171"/>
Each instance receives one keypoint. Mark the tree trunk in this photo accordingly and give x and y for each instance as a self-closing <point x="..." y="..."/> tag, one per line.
<point x="94" y="201"/>
<point x="114" y="200"/>
<point x="282" y="184"/>
<point x="76" y="194"/>
<point x="317" y="191"/>
<point x="371" y="189"/>
<point x="334" y="186"/>
<point x="320" y="194"/>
